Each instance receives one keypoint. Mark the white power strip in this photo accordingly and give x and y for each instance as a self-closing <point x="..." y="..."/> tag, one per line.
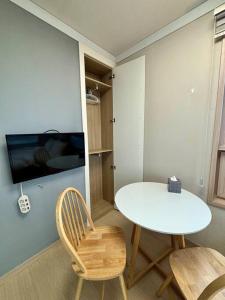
<point x="23" y="202"/>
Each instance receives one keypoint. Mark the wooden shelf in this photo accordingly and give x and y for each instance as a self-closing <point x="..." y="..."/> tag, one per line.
<point x="91" y="83"/>
<point x="92" y="65"/>
<point x="99" y="151"/>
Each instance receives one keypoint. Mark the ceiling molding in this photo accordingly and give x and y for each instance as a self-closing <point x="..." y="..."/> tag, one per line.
<point x="194" y="14"/>
<point x="53" y="21"/>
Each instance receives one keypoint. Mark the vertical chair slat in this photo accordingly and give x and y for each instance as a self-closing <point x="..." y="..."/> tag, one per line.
<point x="73" y="221"/>
<point x="86" y="210"/>
<point x="77" y="220"/>
<point x="66" y="225"/>
<point x="80" y="213"/>
<point x="69" y="222"/>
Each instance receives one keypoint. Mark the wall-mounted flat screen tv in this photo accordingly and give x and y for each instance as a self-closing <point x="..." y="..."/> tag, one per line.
<point x="36" y="155"/>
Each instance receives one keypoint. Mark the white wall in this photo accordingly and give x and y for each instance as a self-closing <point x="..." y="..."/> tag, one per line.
<point x="179" y="113"/>
<point x="178" y="78"/>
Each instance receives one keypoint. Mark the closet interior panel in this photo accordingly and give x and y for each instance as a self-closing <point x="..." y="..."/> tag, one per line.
<point x="98" y="78"/>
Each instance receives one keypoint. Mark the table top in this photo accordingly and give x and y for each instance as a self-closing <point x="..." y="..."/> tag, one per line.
<point x="151" y="206"/>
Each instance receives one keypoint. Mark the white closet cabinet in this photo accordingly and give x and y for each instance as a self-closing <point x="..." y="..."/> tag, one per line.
<point x="113" y="122"/>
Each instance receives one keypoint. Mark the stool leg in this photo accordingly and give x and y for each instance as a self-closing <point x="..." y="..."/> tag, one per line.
<point x="123" y="287"/>
<point x="103" y="290"/>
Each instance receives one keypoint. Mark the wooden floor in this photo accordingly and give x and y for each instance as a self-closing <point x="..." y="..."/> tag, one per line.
<point x="100" y="208"/>
<point x="50" y="276"/>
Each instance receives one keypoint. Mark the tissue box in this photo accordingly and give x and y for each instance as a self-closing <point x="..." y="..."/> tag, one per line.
<point x="174" y="186"/>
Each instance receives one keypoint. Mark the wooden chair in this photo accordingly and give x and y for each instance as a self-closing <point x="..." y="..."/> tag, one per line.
<point x="199" y="272"/>
<point x="98" y="253"/>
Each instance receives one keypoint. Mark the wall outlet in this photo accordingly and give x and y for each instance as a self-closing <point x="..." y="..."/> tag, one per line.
<point x="201" y="182"/>
<point x="24" y="204"/>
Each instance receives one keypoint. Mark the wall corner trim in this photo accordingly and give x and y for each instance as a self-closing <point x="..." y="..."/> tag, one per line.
<point x="42" y="14"/>
<point x="189" y="17"/>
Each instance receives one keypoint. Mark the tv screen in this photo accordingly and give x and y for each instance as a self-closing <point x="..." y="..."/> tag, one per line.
<point x="36" y="155"/>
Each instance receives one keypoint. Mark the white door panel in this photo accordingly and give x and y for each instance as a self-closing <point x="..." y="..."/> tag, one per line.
<point x="128" y="108"/>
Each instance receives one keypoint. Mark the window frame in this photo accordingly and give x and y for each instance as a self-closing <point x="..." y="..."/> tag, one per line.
<point x="213" y="198"/>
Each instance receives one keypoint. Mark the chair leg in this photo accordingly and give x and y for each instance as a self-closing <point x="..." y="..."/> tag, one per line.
<point x="79" y="288"/>
<point x="123" y="287"/>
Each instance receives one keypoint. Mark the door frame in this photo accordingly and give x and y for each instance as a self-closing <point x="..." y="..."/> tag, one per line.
<point x="84" y="50"/>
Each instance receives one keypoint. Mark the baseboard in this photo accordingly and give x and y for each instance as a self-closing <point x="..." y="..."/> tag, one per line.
<point x="27" y="262"/>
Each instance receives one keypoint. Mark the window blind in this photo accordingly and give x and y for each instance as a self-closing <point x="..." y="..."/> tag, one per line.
<point x="219" y="14"/>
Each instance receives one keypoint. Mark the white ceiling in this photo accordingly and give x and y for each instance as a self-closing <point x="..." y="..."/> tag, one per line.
<point x="117" y="25"/>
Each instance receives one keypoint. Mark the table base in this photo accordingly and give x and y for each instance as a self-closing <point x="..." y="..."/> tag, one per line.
<point x="177" y="242"/>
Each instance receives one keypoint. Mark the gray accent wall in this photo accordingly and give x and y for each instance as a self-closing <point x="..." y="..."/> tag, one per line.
<point x="39" y="90"/>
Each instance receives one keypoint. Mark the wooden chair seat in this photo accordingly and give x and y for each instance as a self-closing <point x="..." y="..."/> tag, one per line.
<point x="103" y="253"/>
<point x="195" y="269"/>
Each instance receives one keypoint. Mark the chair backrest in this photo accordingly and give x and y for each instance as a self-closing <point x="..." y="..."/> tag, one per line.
<point x="72" y="217"/>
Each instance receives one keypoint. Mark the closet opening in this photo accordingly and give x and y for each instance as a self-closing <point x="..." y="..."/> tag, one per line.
<point x="98" y="78"/>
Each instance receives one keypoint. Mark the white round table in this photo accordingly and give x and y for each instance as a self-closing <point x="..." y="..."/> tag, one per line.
<point x="149" y="205"/>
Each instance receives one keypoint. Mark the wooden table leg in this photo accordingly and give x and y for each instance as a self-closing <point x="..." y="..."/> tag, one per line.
<point x="165" y="284"/>
<point x="181" y="245"/>
<point x="181" y="242"/>
<point x="132" y="266"/>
